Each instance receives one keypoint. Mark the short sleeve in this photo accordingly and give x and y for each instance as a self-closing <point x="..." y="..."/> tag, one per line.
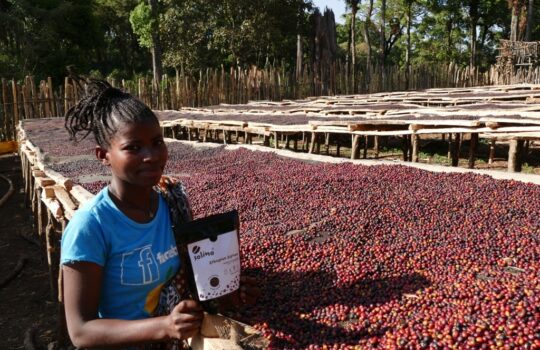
<point x="83" y="240"/>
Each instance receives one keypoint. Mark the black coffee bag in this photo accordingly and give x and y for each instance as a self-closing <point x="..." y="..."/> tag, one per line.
<point x="210" y="248"/>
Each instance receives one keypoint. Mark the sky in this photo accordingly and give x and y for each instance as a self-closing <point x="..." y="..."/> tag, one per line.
<point x="338" y="6"/>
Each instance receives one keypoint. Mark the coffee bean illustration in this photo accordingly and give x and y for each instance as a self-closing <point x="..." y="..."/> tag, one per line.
<point x="214" y="282"/>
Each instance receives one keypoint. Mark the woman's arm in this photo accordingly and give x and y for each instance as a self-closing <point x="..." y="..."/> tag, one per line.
<point x="82" y="285"/>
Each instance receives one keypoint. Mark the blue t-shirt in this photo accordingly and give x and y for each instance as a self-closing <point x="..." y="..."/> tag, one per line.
<point x="137" y="259"/>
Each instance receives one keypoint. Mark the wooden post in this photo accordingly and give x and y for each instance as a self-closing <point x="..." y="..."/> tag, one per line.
<point x="514" y="155"/>
<point x="455" y="149"/>
<point x="376" y="146"/>
<point x="35" y="103"/>
<point x="405" y="148"/>
<point x="7" y="132"/>
<point x="26" y="99"/>
<point x="450" y="146"/>
<point x="473" y="145"/>
<point x="354" y="148"/>
<point x="295" y="143"/>
<point x="327" y="142"/>
<point x="318" y="143"/>
<point x="15" y="119"/>
<point x="366" y="141"/>
<point x="52" y="251"/>
<point x="312" y="142"/>
<point x="415" y="145"/>
<point x="276" y="140"/>
<point x="492" y="145"/>
<point x="52" y="99"/>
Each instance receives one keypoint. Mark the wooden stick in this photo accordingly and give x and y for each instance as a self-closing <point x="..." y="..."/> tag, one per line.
<point x="473" y="145"/>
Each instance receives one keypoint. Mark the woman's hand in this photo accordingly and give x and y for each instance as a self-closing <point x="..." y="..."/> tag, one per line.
<point x="184" y="320"/>
<point x="249" y="290"/>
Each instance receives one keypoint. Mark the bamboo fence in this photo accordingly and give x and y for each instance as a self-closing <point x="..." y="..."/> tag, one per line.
<point x="27" y="99"/>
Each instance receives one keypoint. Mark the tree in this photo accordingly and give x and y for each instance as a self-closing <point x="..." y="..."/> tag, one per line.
<point x="43" y="37"/>
<point x="530" y="20"/>
<point x="409" y="4"/>
<point x="517" y="8"/>
<point x="145" y="23"/>
<point x="351" y="47"/>
<point x="367" y="40"/>
<point x="473" y="22"/>
<point x="118" y="51"/>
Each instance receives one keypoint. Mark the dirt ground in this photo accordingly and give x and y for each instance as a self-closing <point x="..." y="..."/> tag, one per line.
<point x="27" y="309"/>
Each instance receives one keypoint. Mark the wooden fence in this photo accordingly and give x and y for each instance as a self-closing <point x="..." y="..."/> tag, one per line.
<point x="30" y="99"/>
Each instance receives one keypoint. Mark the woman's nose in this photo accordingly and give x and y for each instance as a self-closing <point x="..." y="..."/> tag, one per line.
<point x="149" y="154"/>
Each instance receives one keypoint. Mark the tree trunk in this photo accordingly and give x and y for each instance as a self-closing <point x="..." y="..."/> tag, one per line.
<point x="368" y="44"/>
<point x="408" y="52"/>
<point x="348" y="60"/>
<point x="299" y="56"/>
<point x="156" y="42"/>
<point x="383" y="44"/>
<point x="354" y="10"/>
<point x="530" y="20"/>
<point x="449" y="43"/>
<point x="473" y="18"/>
<point x="514" y="24"/>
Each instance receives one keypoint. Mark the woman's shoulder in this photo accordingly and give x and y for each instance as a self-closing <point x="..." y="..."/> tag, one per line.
<point x="95" y="207"/>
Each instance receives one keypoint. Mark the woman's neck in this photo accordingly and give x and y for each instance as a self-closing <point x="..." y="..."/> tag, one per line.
<point x="137" y="203"/>
<point x="129" y="194"/>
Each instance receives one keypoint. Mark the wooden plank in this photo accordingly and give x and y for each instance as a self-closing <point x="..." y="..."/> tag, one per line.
<point x="80" y="194"/>
<point x="53" y="206"/>
<point x="59" y="178"/>
<point x="64" y="198"/>
<point x="43" y="182"/>
<point x="509" y="121"/>
<point x="48" y="192"/>
<point x="375" y="127"/>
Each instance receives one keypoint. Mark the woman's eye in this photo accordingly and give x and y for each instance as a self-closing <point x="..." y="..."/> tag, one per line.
<point x="132" y="148"/>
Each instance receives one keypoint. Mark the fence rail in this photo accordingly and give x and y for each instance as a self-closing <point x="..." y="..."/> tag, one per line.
<point x="28" y="99"/>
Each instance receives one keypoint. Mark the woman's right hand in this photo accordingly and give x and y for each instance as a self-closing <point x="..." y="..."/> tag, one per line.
<point x="185" y="319"/>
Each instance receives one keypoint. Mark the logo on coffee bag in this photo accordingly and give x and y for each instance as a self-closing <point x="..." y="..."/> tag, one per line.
<point x="198" y="253"/>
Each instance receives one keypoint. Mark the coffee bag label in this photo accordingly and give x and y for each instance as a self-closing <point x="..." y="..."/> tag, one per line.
<point x="216" y="265"/>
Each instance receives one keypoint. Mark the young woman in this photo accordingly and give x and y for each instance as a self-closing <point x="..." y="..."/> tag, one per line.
<point x="118" y="251"/>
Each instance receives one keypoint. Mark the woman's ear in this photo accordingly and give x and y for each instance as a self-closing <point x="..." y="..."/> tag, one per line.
<point x="101" y="155"/>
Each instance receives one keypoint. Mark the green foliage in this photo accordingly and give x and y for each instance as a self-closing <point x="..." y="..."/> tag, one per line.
<point x="42" y="37"/>
<point x="141" y="22"/>
<point x="198" y="34"/>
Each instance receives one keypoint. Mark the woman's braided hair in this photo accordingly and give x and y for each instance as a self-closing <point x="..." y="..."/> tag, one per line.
<point x="101" y="109"/>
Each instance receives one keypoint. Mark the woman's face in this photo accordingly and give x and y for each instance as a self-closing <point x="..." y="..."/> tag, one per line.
<point x="137" y="153"/>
